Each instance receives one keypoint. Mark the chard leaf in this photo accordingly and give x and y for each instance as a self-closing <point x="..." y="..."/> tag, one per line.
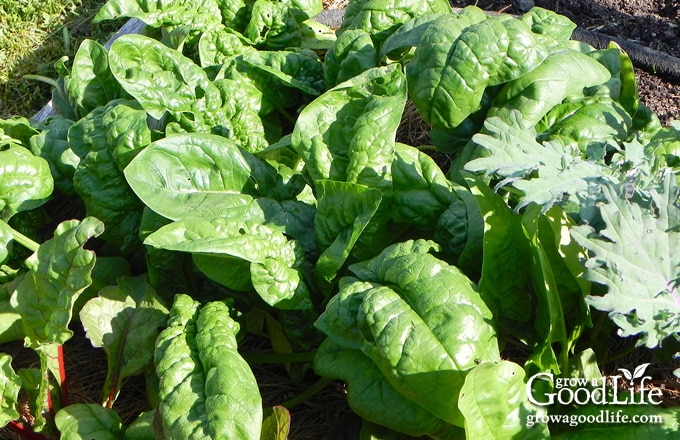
<point x="10" y="384"/>
<point x="206" y="388"/>
<point x="343" y="212"/>
<point x="191" y="175"/>
<point x="91" y="83"/>
<point x="635" y="257"/>
<point x="159" y="78"/>
<point x="543" y="173"/>
<point x="276" y="424"/>
<point x="495" y="404"/>
<point x="25" y="180"/>
<point x="124" y="321"/>
<point x="89" y="420"/>
<point x="418" y="321"/>
<point x="337" y="135"/>
<point x="59" y="273"/>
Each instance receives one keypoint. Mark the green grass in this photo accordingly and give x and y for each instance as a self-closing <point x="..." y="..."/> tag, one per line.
<point x="33" y="35"/>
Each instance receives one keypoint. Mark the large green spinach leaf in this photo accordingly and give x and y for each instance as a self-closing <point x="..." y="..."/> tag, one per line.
<point x="338" y="135"/>
<point x="206" y="388"/>
<point x="421" y="326"/>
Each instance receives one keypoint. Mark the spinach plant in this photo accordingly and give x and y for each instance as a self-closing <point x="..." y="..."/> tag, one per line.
<point x="240" y="172"/>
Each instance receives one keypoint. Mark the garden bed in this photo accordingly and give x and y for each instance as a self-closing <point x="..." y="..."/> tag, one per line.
<point x="525" y="303"/>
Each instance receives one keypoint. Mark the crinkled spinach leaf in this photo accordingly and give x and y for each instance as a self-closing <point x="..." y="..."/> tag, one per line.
<point x="206" y="388"/>
<point x="59" y="272"/>
<point x="344" y="209"/>
<point x="25" y="180"/>
<point x="418" y="322"/>
<point x="159" y="78"/>
<point x="10" y="384"/>
<point x="347" y="134"/>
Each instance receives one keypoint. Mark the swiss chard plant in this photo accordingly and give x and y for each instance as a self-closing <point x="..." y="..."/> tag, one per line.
<point x="238" y="170"/>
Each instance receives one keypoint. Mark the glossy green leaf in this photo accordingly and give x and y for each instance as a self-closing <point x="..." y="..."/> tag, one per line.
<point x="124" y="321"/>
<point x="88" y="421"/>
<point x="371" y="395"/>
<point x="25" y="180"/>
<point x="337" y="134"/>
<point x="17" y="129"/>
<point x="159" y="78"/>
<point x="485" y="52"/>
<point x="196" y="14"/>
<point x="506" y="256"/>
<point x="10" y="384"/>
<point x="276" y="267"/>
<point x="52" y="144"/>
<point x="6" y="238"/>
<point x="91" y="82"/>
<point x="221" y="45"/>
<point x="302" y="69"/>
<point x="127" y="132"/>
<point x="418" y="321"/>
<point x="343" y="212"/>
<point x="495" y="404"/>
<point x="192" y="175"/>
<point x="352" y="54"/>
<point x="381" y="18"/>
<point x="563" y="74"/>
<point x="273" y="25"/>
<point x="59" y="272"/>
<point x="11" y="328"/>
<point x="142" y="427"/>
<point x="207" y="390"/>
